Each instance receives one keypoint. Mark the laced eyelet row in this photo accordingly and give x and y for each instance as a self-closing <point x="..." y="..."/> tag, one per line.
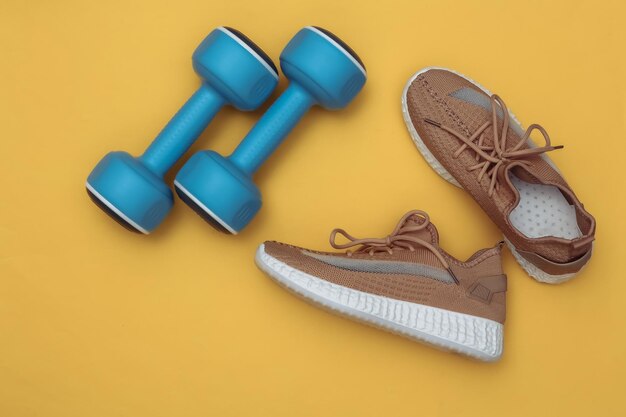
<point x="400" y="238"/>
<point x="494" y="159"/>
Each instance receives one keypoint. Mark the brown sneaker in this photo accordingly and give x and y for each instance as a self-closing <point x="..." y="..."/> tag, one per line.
<point x="404" y="283"/>
<point x="470" y="138"/>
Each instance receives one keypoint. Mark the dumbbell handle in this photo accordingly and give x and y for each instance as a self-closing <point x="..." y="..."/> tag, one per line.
<point x="182" y="131"/>
<point x="272" y="128"/>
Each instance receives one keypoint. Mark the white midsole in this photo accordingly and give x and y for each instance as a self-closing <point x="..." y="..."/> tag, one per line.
<point x="477" y="337"/>
<point x="530" y="269"/>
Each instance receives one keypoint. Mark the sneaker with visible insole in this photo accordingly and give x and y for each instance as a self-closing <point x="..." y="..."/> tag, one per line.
<point x="469" y="137"/>
<point x="404" y="283"/>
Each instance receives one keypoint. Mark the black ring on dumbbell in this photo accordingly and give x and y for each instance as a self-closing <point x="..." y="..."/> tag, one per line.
<point x="200" y="212"/>
<point x="342" y="44"/>
<point x="111" y="213"/>
<point x="253" y="46"/>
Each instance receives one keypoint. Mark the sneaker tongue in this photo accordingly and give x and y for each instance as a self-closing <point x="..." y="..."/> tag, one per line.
<point x="428" y="234"/>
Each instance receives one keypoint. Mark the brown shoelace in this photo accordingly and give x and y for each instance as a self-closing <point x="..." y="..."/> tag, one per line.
<point x="399" y="238"/>
<point x="496" y="155"/>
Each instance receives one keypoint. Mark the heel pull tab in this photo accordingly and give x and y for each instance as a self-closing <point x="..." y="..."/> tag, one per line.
<point x="556" y="268"/>
<point x="579" y="243"/>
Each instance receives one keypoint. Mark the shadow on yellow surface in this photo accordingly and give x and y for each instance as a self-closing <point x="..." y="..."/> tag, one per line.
<point x="95" y="321"/>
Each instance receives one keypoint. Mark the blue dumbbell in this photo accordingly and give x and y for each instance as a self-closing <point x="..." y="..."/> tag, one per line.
<point x="234" y="71"/>
<point x="323" y="71"/>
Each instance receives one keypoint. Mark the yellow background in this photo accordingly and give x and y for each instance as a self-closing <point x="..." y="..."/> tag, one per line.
<point x="95" y="321"/>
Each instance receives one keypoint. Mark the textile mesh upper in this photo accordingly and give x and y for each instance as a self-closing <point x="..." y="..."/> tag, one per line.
<point x="434" y="95"/>
<point x="417" y="289"/>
